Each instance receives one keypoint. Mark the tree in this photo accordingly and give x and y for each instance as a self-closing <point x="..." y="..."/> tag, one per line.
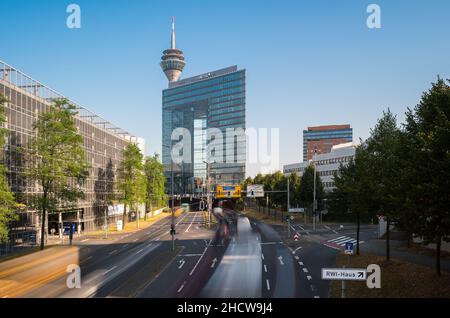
<point x="306" y="189"/>
<point x="428" y="131"/>
<point x="7" y="202"/>
<point x="56" y="160"/>
<point x="353" y="188"/>
<point x="155" y="191"/>
<point x="294" y="189"/>
<point x="384" y="159"/>
<point x="132" y="181"/>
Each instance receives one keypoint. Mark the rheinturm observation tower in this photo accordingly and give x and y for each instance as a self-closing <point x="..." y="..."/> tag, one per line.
<point x="172" y="61"/>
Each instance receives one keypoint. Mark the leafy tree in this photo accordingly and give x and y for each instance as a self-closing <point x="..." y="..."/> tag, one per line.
<point x="7" y="202"/>
<point x="428" y="131"/>
<point x="353" y="188"/>
<point x="306" y="189"/>
<point x="294" y="189"/>
<point x="56" y="160"/>
<point x="132" y="181"/>
<point x="155" y="191"/>
<point x="384" y="160"/>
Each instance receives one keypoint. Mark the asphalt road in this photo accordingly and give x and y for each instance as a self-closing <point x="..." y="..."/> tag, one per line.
<point x="240" y="258"/>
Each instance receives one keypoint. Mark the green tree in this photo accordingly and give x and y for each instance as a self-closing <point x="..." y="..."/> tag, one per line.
<point x="56" y="160"/>
<point x="7" y="202"/>
<point x="384" y="160"/>
<point x="155" y="192"/>
<point x="353" y="188"/>
<point x="306" y="188"/>
<point x="428" y="131"/>
<point x="294" y="190"/>
<point x="132" y="181"/>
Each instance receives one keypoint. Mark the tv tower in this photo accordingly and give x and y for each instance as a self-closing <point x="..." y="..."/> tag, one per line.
<point x="172" y="61"/>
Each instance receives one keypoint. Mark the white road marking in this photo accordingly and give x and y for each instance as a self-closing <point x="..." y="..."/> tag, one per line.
<point x="301" y="263"/>
<point x="84" y="240"/>
<point x="187" y="230"/>
<point x="109" y="270"/>
<point x="296" y="249"/>
<point x="268" y="285"/>
<point x="112" y="252"/>
<point x="189" y="255"/>
<point x="337" y="239"/>
<point x="265" y="268"/>
<point x="139" y="251"/>
<point x="262" y="255"/>
<point x="214" y="263"/>
<point x="280" y="258"/>
<point x="296" y="257"/>
<point x="309" y="277"/>
<point x="182" y="262"/>
<point x="181" y="287"/>
<point x="200" y="258"/>
<point x="270" y="243"/>
<point x="305" y="269"/>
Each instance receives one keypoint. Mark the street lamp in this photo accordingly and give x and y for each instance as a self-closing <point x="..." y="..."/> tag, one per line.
<point x="208" y="194"/>
<point x="172" y="226"/>
<point x="314" y="191"/>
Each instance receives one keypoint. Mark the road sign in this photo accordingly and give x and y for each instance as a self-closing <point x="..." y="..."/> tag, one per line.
<point x="255" y="191"/>
<point x="233" y="191"/>
<point x="296" y="237"/>
<point x="296" y="210"/>
<point x="349" y="248"/>
<point x="344" y="273"/>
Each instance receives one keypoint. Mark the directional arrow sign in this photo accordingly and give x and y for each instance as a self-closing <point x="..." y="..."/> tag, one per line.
<point x="182" y="262"/>
<point x="214" y="262"/>
<point x="344" y="273"/>
<point x="280" y="258"/>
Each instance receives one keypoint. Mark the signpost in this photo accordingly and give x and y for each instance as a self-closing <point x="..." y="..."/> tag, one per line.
<point x="296" y="237"/>
<point x="344" y="273"/>
<point x="349" y="248"/>
<point x="296" y="210"/>
<point x="255" y="191"/>
<point x="233" y="191"/>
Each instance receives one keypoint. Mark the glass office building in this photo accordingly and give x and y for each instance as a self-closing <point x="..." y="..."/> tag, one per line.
<point x="216" y="101"/>
<point x="103" y="144"/>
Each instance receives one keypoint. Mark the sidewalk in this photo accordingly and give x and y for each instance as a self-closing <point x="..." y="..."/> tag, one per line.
<point x="399" y="251"/>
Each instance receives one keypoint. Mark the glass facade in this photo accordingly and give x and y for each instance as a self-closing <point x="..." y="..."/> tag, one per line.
<point x="103" y="145"/>
<point x="214" y="100"/>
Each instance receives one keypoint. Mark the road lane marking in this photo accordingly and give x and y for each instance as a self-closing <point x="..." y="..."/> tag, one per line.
<point x="305" y="269"/>
<point x="112" y="268"/>
<point x="280" y="258"/>
<point x="187" y="230"/>
<point x="85" y="240"/>
<point x="200" y="258"/>
<point x="268" y="285"/>
<point x="189" y="255"/>
<point x="262" y="255"/>
<point x="309" y="277"/>
<point x="139" y="251"/>
<point x="214" y="262"/>
<point x="182" y="262"/>
<point x="296" y="257"/>
<point x="181" y="287"/>
<point x="301" y="263"/>
<point x="295" y="251"/>
<point x="265" y="268"/>
<point x="112" y="252"/>
<point x="270" y="243"/>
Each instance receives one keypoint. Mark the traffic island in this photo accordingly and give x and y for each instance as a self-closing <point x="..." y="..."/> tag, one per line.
<point x="399" y="279"/>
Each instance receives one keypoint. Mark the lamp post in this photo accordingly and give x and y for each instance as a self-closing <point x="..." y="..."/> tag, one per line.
<point x="314" y="191"/>
<point x="208" y="189"/>
<point x="172" y="226"/>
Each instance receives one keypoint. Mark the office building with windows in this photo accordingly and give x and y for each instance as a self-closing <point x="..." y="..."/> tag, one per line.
<point x="327" y="164"/>
<point x="211" y="108"/>
<point x="321" y="139"/>
<point x="103" y="146"/>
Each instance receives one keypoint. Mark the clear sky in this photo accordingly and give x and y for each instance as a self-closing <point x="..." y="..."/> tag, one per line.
<point x="308" y="62"/>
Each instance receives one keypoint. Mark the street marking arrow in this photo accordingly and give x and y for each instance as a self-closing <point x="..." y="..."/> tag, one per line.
<point x="280" y="258"/>
<point x="214" y="262"/>
<point x="182" y="262"/>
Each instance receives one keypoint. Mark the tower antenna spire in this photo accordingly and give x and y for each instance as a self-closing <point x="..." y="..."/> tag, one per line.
<point x="173" y="33"/>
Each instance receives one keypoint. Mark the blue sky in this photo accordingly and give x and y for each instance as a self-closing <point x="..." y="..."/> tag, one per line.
<point x="308" y="62"/>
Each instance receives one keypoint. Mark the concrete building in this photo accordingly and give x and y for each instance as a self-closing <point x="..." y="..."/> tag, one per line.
<point x="322" y="138"/>
<point x="326" y="164"/>
<point x="200" y="105"/>
<point x="103" y="145"/>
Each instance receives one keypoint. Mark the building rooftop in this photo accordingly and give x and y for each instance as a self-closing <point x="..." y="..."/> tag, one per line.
<point x="20" y="81"/>
<point x="202" y="77"/>
<point x="329" y="127"/>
